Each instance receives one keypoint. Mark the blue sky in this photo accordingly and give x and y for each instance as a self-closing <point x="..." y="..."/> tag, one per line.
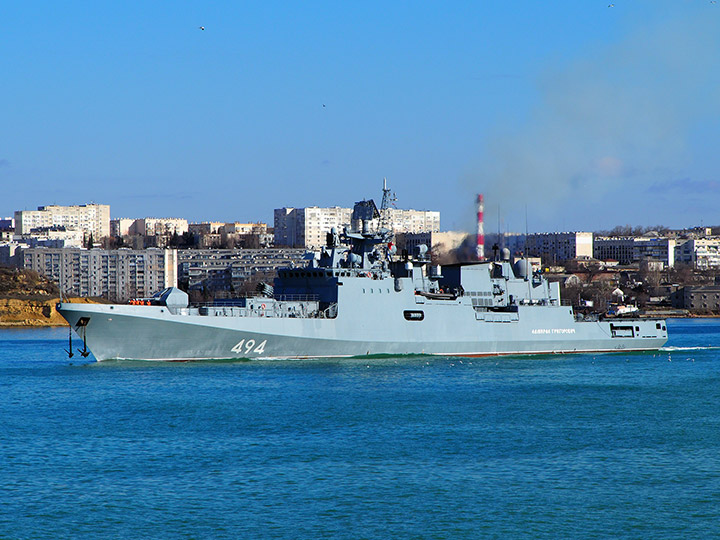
<point x="586" y="115"/>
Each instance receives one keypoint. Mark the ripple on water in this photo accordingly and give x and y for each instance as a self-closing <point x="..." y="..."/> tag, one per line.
<point x="572" y="446"/>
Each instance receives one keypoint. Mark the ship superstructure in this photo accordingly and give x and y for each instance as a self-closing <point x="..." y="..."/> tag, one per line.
<point x="358" y="296"/>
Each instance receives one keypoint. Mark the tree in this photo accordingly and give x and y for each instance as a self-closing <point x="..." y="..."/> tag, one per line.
<point x="187" y="240"/>
<point x="90" y="241"/>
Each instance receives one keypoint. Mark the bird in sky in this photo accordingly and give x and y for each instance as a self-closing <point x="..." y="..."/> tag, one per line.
<point x="201" y="27"/>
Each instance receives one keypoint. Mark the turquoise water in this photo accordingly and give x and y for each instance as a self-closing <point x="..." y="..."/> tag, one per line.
<point x="581" y="446"/>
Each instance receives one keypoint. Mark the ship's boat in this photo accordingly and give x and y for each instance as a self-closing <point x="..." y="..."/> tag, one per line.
<point x="358" y="296"/>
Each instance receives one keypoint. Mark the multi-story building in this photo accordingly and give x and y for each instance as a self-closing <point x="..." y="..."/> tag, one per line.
<point x="515" y="242"/>
<point x="159" y="226"/>
<point x="284" y="225"/>
<point x="235" y="234"/>
<point x="698" y="298"/>
<point x="246" y="235"/>
<point x="308" y="227"/>
<point x="558" y="247"/>
<point x="702" y="253"/>
<point x="243" y="228"/>
<point x="206" y="227"/>
<point x="614" y="248"/>
<point x="227" y="269"/>
<point x="90" y="218"/>
<point x="628" y="250"/>
<point x="11" y="253"/>
<point x="655" y="248"/>
<point x="58" y="237"/>
<point x="114" y="274"/>
<point x="414" y="221"/>
<point x="121" y="226"/>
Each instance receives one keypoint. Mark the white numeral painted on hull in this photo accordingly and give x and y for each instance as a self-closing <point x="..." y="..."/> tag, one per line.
<point x="246" y="347"/>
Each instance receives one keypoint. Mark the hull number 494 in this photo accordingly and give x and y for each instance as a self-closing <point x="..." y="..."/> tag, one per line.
<point x="246" y="347"/>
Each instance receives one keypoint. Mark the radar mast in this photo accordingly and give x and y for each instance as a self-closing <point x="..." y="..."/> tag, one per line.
<point x="385" y="214"/>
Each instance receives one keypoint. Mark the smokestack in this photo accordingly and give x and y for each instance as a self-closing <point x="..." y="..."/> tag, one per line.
<point x="480" y="250"/>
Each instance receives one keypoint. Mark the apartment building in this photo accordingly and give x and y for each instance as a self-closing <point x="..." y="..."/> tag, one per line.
<point x="559" y="247"/>
<point x="121" y="226"/>
<point x="414" y="221"/>
<point x="57" y="237"/>
<point x="159" y="226"/>
<point x="205" y="227"/>
<point x="701" y="253"/>
<point x="244" y="228"/>
<point x="226" y="269"/>
<point x="655" y="248"/>
<point x="308" y="227"/>
<point x="629" y="250"/>
<point x="90" y="218"/>
<point x="610" y="248"/>
<point x="114" y="274"/>
<point x="515" y="242"/>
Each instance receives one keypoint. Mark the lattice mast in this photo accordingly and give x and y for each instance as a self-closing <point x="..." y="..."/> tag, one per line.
<point x="387" y="201"/>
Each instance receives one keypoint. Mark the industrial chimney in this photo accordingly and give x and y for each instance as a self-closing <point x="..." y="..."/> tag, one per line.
<point x="480" y="249"/>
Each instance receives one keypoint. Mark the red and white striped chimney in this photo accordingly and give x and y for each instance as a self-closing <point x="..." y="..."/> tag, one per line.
<point x="480" y="230"/>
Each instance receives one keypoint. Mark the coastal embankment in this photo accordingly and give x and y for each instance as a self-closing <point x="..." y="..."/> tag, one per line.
<point x="15" y="312"/>
<point x="29" y="299"/>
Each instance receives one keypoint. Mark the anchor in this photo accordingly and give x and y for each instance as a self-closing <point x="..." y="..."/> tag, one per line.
<point x="69" y="349"/>
<point x="84" y="352"/>
<point x="82" y="323"/>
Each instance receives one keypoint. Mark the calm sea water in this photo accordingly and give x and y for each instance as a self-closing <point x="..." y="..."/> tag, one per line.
<point x="582" y="446"/>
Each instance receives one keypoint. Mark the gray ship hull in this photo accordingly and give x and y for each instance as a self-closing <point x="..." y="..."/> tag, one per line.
<point x="153" y="333"/>
<point x="360" y="300"/>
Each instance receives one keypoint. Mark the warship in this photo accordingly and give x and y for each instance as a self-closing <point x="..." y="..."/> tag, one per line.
<point x="358" y="296"/>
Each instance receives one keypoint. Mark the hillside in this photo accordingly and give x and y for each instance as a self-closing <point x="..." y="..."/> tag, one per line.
<point x="22" y="284"/>
<point x="28" y="299"/>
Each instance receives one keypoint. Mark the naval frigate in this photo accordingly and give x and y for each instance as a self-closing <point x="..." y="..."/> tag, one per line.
<point x="357" y="297"/>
